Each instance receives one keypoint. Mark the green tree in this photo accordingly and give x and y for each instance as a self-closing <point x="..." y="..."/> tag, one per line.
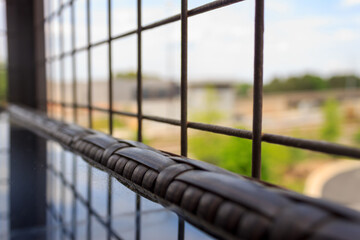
<point x="131" y="75"/>
<point x="344" y="81"/>
<point x="311" y="82"/>
<point x="296" y="83"/>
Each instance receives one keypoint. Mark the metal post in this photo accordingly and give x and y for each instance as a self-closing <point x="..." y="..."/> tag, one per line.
<point x="27" y="86"/>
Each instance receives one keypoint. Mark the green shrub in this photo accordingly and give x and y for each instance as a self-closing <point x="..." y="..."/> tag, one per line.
<point x="103" y="123"/>
<point x="230" y="153"/>
<point x="234" y="154"/>
<point x="357" y="137"/>
<point x="331" y="128"/>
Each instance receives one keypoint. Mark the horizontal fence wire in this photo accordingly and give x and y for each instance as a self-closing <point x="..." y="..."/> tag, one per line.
<point x="313" y="145"/>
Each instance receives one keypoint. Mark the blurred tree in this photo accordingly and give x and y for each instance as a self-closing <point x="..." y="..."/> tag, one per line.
<point x="126" y="75"/>
<point x="296" y="83"/>
<point x="132" y="75"/>
<point x="311" y="82"/>
<point x="331" y="128"/>
<point x="344" y="81"/>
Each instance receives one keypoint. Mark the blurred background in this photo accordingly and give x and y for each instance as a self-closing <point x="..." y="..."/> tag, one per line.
<point x="311" y="77"/>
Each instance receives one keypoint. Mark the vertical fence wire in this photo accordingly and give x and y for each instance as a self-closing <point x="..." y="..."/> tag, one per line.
<point x="49" y="95"/>
<point x="258" y="89"/>
<point x="139" y="70"/>
<point x="89" y="77"/>
<point x="183" y="89"/>
<point x="61" y="214"/>
<point x="75" y="115"/>
<point x="50" y="92"/>
<point x="89" y="91"/>
<point x="110" y="95"/>
<point x="61" y="72"/>
<point x="139" y="108"/>
<point x="73" y="61"/>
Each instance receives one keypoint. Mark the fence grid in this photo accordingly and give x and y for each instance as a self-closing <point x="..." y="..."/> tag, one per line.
<point x="256" y="134"/>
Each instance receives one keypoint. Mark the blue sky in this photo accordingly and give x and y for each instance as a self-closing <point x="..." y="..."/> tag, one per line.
<point x="301" y="36"/>
<point x="312" y="36"/>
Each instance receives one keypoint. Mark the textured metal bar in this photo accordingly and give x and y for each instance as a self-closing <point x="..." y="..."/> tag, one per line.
<point x="201" y="193"/>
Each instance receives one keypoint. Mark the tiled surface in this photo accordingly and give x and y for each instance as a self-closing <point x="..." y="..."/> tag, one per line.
<point x="156" y="221"/>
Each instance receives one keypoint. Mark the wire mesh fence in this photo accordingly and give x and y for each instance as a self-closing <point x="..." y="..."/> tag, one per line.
<point x="78" y="54"/>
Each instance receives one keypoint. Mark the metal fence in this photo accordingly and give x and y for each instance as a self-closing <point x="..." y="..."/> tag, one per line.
<point x="256" y="135"/>
<point x="54" y="11"/>
<point x="219" y="202"/>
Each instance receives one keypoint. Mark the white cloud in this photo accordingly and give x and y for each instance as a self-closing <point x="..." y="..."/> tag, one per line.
<point x="319" y="45"/>
<point x="346" y="35"/>
<point x="349" y="3"/>
<point x="279" y="6"/>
